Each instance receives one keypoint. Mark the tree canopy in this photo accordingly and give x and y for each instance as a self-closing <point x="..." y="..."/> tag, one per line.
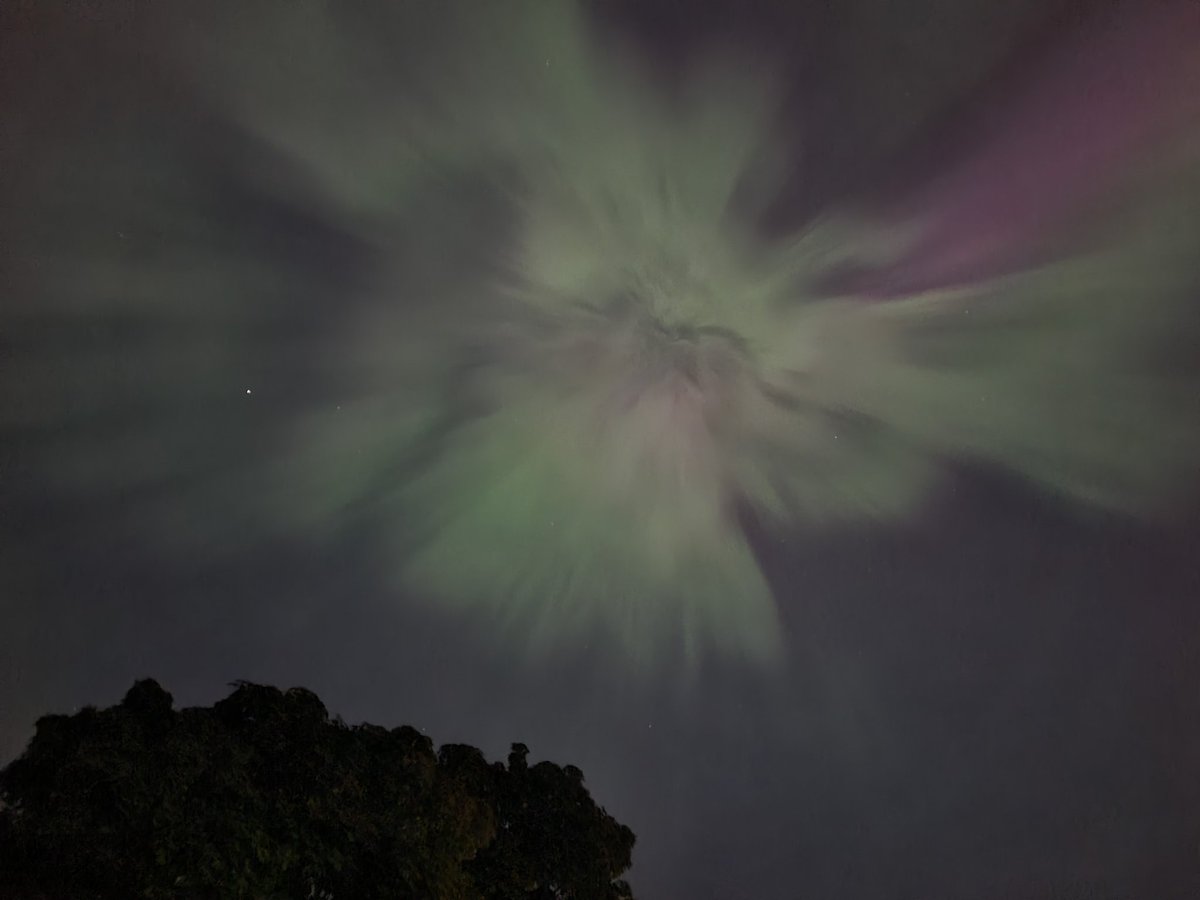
<point x="263" y="795"/>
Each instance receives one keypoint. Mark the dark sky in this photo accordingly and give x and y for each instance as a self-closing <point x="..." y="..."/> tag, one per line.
<point x="996" y="698"/>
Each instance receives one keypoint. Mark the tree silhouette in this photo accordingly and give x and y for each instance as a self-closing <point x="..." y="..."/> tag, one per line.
<point x="263" y="796"/>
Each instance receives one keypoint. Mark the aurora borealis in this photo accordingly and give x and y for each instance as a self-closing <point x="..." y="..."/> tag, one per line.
<point x="570" y="354"/>
<point x="578" y="341"/>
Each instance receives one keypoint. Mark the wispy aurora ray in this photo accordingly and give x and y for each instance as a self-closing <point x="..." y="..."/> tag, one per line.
<point x="563" y="355"/>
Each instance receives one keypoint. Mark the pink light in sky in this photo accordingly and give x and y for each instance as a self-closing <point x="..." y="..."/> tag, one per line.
<point x="1087" y="118"/>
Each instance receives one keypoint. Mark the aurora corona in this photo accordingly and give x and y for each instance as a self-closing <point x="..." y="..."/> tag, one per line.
<point x="573" y="355"/>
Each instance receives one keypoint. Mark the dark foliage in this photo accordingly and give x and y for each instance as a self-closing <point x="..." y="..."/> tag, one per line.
<point x="263" y="796"/>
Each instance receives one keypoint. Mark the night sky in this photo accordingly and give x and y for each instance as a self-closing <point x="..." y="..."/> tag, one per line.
<point x="992" y="694"/>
